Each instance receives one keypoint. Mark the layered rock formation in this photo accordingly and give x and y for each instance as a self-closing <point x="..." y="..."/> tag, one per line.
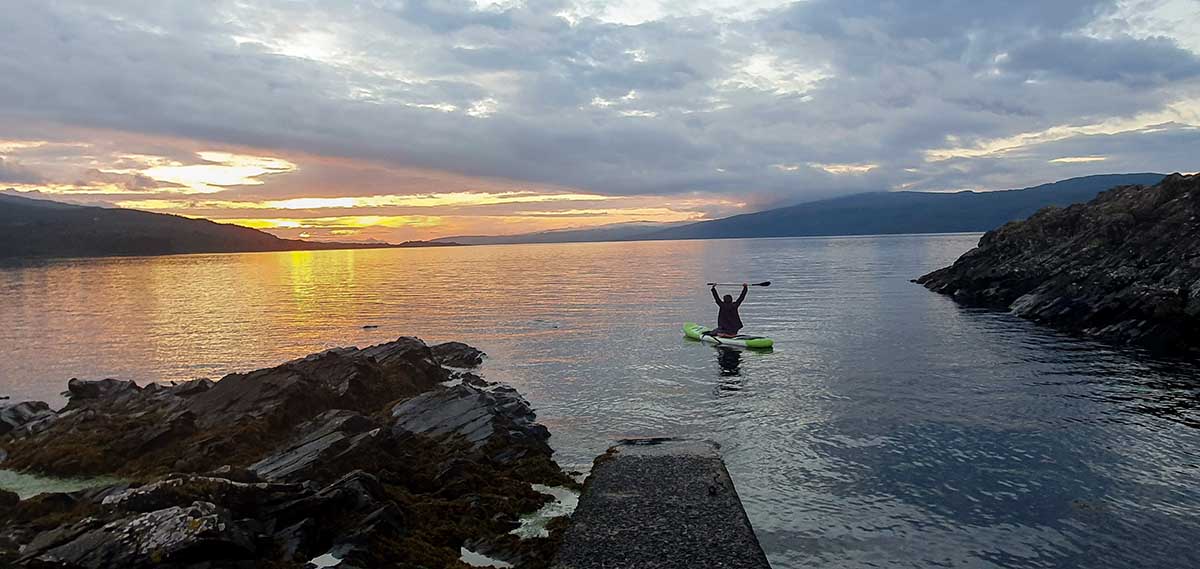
<point x="1124" y="267"/>
<point x="362" y="456"/>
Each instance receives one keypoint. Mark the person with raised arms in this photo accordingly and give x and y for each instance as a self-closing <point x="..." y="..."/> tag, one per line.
<point x="729" y="322"/>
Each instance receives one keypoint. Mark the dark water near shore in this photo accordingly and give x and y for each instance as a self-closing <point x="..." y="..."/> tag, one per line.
<point x="889" y="428"/>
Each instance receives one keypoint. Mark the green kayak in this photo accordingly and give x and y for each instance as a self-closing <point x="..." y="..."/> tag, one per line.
<point x="703" y="333"/>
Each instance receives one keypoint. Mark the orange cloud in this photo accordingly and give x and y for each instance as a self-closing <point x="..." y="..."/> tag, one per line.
<point x="349" y="221"/>
<point x="436" y="199"/>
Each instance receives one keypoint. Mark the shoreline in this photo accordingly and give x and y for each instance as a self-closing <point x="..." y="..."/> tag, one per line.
<point x="10" y="262"/>
<point x="1118" y="268"/>
<point x="391" y="454"/>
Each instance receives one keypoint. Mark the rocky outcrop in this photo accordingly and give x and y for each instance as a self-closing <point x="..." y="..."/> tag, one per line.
<point x="457" y="354"/>
<point x="362" y="455"/>
<point x="80" y="391"/>
<point x="1124" y="267"/>
<point x="333" y="437"/>
<point x="167" y="536"/>
<point x="21" y="414"/>
<point x="200" y="425"/>
<point x="193" y="521"/>
<point x="494" y="420"/>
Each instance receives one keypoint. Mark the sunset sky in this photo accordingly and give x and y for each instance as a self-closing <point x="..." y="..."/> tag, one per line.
<point x="397" y="120"/>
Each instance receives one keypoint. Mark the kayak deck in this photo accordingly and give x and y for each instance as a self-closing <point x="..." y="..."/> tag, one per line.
<point x="704" y="334"/>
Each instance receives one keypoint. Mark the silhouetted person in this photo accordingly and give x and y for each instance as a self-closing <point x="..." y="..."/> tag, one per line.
<point x="728" y="320"/>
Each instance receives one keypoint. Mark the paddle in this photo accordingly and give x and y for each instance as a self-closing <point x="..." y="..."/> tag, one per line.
<point x="764" y="283"/>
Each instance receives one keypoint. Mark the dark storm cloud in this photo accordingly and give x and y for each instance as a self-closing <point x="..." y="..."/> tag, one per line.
<point x="675" y="105"/>
<point x="1125" y="60"/>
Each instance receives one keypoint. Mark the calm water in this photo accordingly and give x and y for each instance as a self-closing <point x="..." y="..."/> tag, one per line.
<point x="889" y="428"/>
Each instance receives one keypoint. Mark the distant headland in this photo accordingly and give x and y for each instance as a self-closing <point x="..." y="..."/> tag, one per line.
<point x="44" y="228"/>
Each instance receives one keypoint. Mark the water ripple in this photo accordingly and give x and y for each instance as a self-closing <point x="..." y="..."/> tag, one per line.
<point x="889" y="427"/>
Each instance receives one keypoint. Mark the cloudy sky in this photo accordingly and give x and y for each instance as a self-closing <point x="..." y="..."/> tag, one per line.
<point x="396" y="119"/>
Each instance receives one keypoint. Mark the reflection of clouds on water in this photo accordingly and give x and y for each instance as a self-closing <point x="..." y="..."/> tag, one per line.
<point x="1028" y="502"/>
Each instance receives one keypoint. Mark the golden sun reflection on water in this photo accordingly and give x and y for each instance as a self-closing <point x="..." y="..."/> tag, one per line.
<point x="180" y="317"/>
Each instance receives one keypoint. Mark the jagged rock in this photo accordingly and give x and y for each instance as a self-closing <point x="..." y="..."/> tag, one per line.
<point x="21" y="414"/>
<point x="153" y="539"/>
<point x="183" y="489"/>
<point x="190" y="388"/>
<point x="332" y="437"/>
<point x="346" y="378"/>
<point x="78" y="389"/>
<point x="457" y="354"/>
<point x="356" y="548"/>
<point x="188" y="519"/>
<point x="470" y="379"/>
<point x="1124" y="267"/>
<point x="199" y="425"/>
<point x="235" y="474"/>
<point x="310" y="457"/>
<point x="497" y="415"/>
<point x="8" y="499"/>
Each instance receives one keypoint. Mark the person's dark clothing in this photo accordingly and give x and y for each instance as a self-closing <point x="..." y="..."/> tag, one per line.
<point x="728" y="320"/>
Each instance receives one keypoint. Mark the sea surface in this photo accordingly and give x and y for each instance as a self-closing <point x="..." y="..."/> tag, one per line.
<point x="888" y="428"/>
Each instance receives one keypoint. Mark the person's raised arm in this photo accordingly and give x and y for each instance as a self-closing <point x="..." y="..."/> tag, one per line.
<point x="742" y="296"/>
<point x="716" y="296"/>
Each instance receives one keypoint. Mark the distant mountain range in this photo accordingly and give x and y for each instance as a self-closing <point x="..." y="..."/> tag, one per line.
<point x="874" y="213"/>
<point x="881" y="213"/>
<point x="43" y="228"/>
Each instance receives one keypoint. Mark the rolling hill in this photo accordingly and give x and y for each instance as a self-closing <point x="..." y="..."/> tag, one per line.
<point x="43" y="228"/>
<point x="880" y="213"/>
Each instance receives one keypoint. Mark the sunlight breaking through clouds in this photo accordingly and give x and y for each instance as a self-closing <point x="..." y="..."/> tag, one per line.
<point x="345" y="221"/>
<point x="7" y="146"/>
<point x="1149" y="19"/>
<point x="660" y="214"/>
<point x="1181" y="114"/>
<point x="768" y="72"/>
<point x="842" y="169"/>
<point x="835" y="169"/>
<point x="219" y="170"/>
<point x="416" y="200"/>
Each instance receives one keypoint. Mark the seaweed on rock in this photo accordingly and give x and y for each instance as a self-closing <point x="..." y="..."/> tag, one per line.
<point x="348" y="452"/>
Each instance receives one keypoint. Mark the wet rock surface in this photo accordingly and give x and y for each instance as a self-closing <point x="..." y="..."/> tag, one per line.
<point x="1124" y="267"/>
<point x="361" y="455"/>
<point x="457" y="354"/>
<point x="117" y="427"/>
<point x="21" y="414"/>
<point x="494" y="420"/>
